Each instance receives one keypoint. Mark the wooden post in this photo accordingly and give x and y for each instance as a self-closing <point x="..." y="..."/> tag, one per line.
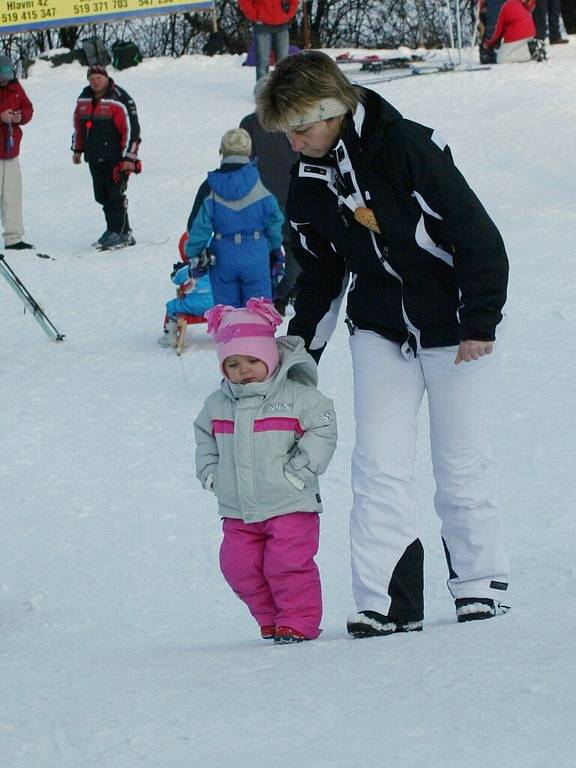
<point x="181" y="335"/>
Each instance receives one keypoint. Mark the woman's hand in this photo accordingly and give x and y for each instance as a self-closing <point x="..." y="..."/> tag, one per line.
<point x="473" y="350"/>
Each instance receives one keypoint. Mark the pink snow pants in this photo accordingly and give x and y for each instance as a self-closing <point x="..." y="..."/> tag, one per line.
<point x="270" y="566"/>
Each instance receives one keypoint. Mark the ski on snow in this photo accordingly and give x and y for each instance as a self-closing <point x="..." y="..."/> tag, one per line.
<point x="29" y="301"/>
<point x="378" y="69"/>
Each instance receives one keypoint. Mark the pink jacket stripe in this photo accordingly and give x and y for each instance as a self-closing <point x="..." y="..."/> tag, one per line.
<point x="272" y="424"/>
<point x="222" y="426"/>
<point x="278" y="424"/>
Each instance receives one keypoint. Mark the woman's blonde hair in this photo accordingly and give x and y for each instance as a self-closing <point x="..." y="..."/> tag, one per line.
<point x="297" y="84"/>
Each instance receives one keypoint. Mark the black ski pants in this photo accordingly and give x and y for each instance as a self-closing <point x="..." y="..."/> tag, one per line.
<point x="110" y="195"/>
<point x="492" y="10"/>
<point x="547" y="13"/>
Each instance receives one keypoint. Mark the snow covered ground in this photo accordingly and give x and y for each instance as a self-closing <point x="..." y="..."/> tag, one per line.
<point x="120" y="644"/>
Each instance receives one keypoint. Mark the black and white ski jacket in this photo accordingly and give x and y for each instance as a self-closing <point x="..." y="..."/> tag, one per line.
<point x="436" y="275"/>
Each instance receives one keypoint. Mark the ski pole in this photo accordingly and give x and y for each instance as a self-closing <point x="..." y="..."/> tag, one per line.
<point x="29" y="301"/>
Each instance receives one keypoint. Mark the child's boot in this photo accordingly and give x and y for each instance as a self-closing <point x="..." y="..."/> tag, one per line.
<point x="172" y="331"/>
<point x="169" y="336"/>
<point x="287" y="635"/>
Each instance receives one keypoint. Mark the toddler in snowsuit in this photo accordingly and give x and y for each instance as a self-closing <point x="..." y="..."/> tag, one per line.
<point x="194" y="294"/>
<point x="262" y="440"/>
<point x="243" y="219"/>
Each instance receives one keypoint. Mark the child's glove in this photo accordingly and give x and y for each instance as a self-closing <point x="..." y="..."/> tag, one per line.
<point x="296" y="482"/>
<point x="199" y="265"/>
<point x="277" y="265"/>
<point x="176" y="268"/>
<point x="186" y="288"/>
<point x="297" y="471"/>
<point x="209" y="484"/>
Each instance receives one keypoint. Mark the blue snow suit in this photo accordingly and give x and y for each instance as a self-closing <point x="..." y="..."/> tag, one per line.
<point x="245" y="221"/>
<point x="198" y="301"/>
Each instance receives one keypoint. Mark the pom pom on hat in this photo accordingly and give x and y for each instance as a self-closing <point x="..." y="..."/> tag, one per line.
<point x="236" y="142"/>
<point x="97" y="69"/>
<point x="246" y="331"/>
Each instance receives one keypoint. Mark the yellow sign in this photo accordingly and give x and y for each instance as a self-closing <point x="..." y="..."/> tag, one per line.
<point x="22" y="15"/>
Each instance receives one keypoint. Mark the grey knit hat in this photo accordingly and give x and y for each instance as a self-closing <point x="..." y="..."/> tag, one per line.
<point x="6" y="69"/>
<point x="236" y="142"/>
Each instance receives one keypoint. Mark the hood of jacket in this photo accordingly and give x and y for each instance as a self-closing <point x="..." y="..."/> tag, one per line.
<point x="295" y="364"/>
<point x="234" y="179"/>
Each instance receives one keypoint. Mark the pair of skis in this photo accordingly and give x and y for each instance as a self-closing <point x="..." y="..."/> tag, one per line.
<point x="29" y="301"/>
<point x="375" y="63"/>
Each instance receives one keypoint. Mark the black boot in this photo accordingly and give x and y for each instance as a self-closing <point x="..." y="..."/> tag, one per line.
<point x="373" y="624"/>
<point x="19" y="246"/>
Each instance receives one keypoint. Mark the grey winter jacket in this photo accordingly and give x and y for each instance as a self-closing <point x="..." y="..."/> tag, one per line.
<point x="261" y="446"/>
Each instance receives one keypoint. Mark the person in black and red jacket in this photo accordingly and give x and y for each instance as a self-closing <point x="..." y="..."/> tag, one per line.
<point x="107" y="132"/>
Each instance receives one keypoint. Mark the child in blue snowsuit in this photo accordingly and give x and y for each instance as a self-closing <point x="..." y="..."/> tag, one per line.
<point x="194" y="295"/>
<point x="243" y="219"/>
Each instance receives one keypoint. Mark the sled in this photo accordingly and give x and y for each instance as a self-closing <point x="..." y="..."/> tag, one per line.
<point x="182" y="323"/>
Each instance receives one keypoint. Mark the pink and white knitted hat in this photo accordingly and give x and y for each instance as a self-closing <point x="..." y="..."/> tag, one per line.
<point x="246" y="331"/>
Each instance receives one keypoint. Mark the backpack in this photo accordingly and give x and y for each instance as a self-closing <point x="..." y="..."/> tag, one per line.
<point x="125" y="54"/>
<point x="215" y="44"/>
<point x="95" y="51"/>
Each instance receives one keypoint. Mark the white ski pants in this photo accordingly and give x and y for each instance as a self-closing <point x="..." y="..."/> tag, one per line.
<point x="11" y="197"/>
<point x="514" y="53"/>
<point x="384" y="525"/>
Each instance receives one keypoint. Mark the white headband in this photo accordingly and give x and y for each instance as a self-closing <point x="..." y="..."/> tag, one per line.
<point x="322" y="110"/>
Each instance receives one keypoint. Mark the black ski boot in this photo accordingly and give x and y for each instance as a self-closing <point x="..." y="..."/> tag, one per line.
<point x="373" y="624"/>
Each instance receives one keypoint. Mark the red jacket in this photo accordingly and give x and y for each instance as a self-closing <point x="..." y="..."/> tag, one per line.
<point x="106" y="129"/>
<point x="514" y="23"/>
<point x="12" y="96"/>
<point x="269" y="11"/>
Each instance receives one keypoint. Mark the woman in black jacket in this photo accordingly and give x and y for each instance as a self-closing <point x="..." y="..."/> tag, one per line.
<point x="377" y="206"/>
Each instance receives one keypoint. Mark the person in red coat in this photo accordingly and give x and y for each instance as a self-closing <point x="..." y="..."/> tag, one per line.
<point x="515" y="28"/>
<point x="15" y="110"/>
<point x="271" y="21"/>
